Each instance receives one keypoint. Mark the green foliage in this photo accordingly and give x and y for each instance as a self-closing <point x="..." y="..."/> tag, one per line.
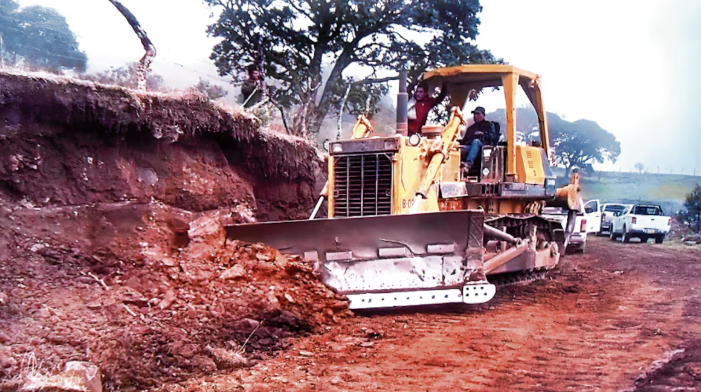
<point x="126" y="76"/>
<point x="211" y="90"/>
<point x="691" y="214"/>
<point x="293" y="40"/>
<point x="576" y="144"/>
<point x="40" y="37"/>
<point x="583" y="143"/>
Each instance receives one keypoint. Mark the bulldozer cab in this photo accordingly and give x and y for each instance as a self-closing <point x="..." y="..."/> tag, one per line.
<point x="465" y="80"/>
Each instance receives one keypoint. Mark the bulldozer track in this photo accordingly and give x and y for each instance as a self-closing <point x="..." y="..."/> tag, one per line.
<point x="517" y="225"/>
<point x="520" y="277"/>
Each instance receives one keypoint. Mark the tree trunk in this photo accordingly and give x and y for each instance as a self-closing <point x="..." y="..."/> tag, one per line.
<point x="318" y="115"/>
<point x="340" y="111"/>
<point x="144" y="66"/>
<point x="568" y="170"/>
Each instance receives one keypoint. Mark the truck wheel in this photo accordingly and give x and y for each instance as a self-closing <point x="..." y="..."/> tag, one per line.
<point x="612" y="235"/>
<point x="626" y="236"/>
<point x="659" y="239"/>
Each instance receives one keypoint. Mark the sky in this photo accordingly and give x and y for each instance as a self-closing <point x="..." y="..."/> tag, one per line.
<point x="629" y="65"/>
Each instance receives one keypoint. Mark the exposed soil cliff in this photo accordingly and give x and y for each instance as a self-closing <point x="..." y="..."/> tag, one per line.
<point x="113" y="251"/>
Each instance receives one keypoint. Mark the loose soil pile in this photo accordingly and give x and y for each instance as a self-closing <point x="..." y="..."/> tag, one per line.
<point x="147" y="321"/>
<point x="113" y="251"/>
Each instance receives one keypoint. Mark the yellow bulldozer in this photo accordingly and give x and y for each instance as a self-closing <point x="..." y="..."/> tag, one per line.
<point x="407" y="227"/>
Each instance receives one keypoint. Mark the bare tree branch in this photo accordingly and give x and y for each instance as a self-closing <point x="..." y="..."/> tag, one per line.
<point x="145" y="63"/>
<point x="340" y="111"/>
<point x="373" y="81"/>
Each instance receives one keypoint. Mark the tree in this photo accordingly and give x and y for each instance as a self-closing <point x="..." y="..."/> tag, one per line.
<point x="639" y="167"/>
<point x="691" y="214"/>
<point x="40" y="37"/>
<point x="211" y="90"/>
<point x="143" y="67"/>
<point x="577" y="144"/>
<point x="292" y="40"/>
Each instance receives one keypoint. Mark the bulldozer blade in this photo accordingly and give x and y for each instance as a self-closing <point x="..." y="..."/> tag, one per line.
<point x="386" y="261"/>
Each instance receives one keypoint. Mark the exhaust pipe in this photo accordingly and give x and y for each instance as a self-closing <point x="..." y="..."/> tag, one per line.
<point x="402" y="105"/>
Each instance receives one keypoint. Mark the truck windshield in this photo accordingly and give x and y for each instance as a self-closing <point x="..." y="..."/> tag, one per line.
<point x="647" y="210"/>
<point x="614" y="208"/>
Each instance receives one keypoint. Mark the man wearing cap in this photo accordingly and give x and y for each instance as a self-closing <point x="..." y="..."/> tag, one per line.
<point x="478" y="134"/>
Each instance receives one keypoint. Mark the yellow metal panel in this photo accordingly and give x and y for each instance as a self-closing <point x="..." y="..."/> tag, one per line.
<point x="510" y="82"/>
<point x="529" y="165"/>
<point x="431" y="204"/>
<point x="542" y="120"/>
<point x="409" y="166"/>
<point x="451" y="168"/>
<point x="362" y="128"/>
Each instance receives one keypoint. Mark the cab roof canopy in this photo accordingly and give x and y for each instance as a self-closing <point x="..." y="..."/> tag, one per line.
<point x="465" y="80"/>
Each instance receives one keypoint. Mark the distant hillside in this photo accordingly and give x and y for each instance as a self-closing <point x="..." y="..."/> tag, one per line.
<point x="668" y="190"/>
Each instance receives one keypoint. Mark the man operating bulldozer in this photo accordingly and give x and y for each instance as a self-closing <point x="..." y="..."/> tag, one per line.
<point x="481" y="133"/>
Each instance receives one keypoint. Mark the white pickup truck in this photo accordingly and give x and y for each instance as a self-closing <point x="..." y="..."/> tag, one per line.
<point x="643" y="221"/>
<point x="608" y="212"/>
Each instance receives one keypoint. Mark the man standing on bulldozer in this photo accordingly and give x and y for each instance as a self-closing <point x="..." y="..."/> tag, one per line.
<point x="481" y="133"/>
<point x="420" y="105"/>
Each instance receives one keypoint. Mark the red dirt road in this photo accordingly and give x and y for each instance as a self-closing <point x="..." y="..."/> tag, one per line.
<point x="622" y="317"/>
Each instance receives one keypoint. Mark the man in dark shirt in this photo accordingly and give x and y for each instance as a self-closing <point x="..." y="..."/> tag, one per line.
<point x="421" y="106"/>
<point x="480" y="133"/>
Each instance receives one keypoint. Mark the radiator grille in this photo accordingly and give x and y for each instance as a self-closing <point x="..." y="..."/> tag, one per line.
<point x="363" y="185"/>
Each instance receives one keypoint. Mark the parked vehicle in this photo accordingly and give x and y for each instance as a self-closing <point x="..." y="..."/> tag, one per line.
<point x="608" y="211"/>
<point x="643" y="221"/>
<point x="578" y="238"/>
<point x="592" y="213"/>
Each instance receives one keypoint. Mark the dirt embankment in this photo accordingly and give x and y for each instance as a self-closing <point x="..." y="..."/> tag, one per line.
<point x="112" y="250"/>
<point x="66" y="142"/>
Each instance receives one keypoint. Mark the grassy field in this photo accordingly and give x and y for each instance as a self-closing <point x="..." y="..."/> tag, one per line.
<point x="667" y="190"/>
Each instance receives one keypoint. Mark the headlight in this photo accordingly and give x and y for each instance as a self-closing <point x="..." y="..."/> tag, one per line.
<point x="391" y="144"/>
<point x="337" y="147"/>
<point x="414" y="140"/>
